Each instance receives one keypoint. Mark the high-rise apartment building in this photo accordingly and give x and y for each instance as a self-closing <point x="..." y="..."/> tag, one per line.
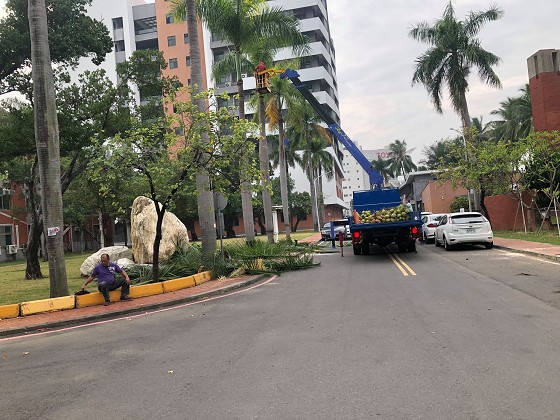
<point x="140" y="25"/>
<point x="318" y="72"/>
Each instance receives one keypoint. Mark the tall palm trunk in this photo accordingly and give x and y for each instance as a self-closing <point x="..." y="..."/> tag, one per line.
<point x="283" y="173"/>
<point x="246" y="189"/>
<point x="205" y="198"/>
<point x="48" y="149"/>
<point x="312" y="190"/>
<point x="264" y="162"/>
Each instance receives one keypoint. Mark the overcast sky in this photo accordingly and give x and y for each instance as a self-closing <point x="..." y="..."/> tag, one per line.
<point x="375" y="61"/>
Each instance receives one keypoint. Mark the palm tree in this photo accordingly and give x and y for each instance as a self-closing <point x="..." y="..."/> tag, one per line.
<point x="516" y="121"/>
<point x="48" y="146"/>
<point x="304" y="130"/>
<point x="440" y="153"/>
<point x="454" y="51"/>
<point x="247" y="25"/>
<point x="205" y="197"/>
<point x="400" y="162"/>
<point x="383" y="166"/>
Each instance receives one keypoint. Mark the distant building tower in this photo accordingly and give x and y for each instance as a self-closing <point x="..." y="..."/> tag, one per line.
<point x="544" y="82"/>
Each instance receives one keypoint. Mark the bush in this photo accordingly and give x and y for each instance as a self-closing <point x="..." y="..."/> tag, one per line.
<point x="458" y="203"/>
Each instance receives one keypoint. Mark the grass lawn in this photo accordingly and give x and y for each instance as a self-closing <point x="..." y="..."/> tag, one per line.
<point x="546" y="237"/>
<point x="15" y="288"/>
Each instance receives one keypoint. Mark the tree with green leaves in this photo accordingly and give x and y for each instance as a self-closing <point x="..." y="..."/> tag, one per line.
<point x="308" y="135"/>
<point x="300" y="207"/>
<point x="492" y="167"/>
<point x="400" y="162"/>
<point x="248" y="26"/>
<point x="516" y="117"/>
<point x="440" y="153"/>
<point x="72" y="35"/>
<point x="186" y="10"/>
<point x="454" y="51"/>
<point x="383" y="166"/>
<point x="145" y="148"/>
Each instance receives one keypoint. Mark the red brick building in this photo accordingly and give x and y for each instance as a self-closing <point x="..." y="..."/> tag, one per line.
<point x="13" y="221"/>
<point x="544" y="83"/>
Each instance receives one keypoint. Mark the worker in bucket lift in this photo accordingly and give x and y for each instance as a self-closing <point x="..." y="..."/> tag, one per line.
<point x="260" y="67"/>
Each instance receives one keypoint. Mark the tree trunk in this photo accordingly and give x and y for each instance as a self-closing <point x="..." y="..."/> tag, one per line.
<point x="246" y="190"/>
<point x="205" y="198"/>
<point x="264" y="162"/>
<point x="48" y="148"/>
<point x="483" y="205"/>
<point x="157" y="241"/>
<point x="33" y="267"/>
<point x="313" y="193"/>
<point x="283" y="177"/>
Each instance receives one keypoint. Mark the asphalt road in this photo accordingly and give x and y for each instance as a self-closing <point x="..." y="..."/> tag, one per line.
<point x="433" y="335"/>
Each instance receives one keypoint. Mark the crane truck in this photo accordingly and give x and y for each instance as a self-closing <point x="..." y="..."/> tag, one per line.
<point x="377" y="215"/>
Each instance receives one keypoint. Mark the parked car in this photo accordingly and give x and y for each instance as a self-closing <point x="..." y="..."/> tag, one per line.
<point x="339" y="226"/>
<point x="429" y="223"/>
<point x="463" y="228"/>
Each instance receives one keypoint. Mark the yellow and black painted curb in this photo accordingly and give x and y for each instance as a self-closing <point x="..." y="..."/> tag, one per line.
<point x="96" y="298"/>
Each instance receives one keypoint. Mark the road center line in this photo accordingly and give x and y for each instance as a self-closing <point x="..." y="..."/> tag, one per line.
<point x="400" y="267"/>
<point x="411" y="271"/>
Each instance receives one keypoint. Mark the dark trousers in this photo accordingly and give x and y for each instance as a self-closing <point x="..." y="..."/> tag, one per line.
<point x="105" y="288"/>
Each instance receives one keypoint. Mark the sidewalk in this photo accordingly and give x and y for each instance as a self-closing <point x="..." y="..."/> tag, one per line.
<point x="54" y="320"/>
<point x="536" y="249"/>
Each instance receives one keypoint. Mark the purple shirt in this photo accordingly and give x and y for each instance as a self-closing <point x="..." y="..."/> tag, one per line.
<point x="106" y="274"/>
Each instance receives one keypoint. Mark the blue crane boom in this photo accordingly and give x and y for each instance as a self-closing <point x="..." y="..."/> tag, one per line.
<point x="375" y="179"/>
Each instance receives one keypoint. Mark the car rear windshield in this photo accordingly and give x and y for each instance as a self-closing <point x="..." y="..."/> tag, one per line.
<point x="340" y="222"/>
<point x="468" y="218"/>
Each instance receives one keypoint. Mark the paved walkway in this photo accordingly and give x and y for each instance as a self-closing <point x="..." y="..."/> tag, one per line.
<point x="54" y="320"/>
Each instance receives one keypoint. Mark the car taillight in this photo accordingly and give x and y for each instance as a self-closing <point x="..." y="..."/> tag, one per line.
<point x="356" y="235"/>
<point x="432" y="225"/>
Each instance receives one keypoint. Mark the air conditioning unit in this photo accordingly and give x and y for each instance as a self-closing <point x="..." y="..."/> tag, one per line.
<point x="6" y="191"/>
<point x="227" y="84"/>
<point x="231" y="107"/>
<point x="243" y="75"/>
<point x="11" y="249"/>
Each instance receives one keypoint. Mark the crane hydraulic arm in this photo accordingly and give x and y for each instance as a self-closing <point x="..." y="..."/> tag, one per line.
<point x="375" y="179"/>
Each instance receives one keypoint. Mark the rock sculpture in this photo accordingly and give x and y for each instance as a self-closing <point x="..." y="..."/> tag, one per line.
<point x="143" y="232"/>
<point x="115" y="253"/>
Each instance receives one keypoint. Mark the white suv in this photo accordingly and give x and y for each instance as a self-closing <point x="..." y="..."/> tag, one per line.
<point x="464" y="228"/>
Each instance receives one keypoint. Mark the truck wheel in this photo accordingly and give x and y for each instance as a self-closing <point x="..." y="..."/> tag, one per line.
<point x="357" y="249"/>
<point x="365" y="248"/>
<point x="402" y="247"/>
<point x="412" y="246"/>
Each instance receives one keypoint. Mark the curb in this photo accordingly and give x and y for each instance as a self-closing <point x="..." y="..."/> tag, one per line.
<point x="542" y="256"/>
<point x="130" y="311"/>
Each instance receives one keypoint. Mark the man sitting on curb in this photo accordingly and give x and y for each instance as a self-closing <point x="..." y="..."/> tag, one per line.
<point x="105" y="273"/>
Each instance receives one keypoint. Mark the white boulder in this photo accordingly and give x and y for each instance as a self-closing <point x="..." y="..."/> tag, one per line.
<point x="143" y="232"/>
<point x="115" y="253"/>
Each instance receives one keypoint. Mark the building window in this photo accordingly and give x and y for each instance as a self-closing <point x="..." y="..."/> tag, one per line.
<point x="188" y="60"/>
<point x="6" y="235"/>
<point x="4" y="201"/>
<point x="173" y="63"/>
<point x="169" y="19"/>
<point x="186" y="38"/>
<point x="171" y="42"/>
<point x="119" y="46"/>
<point x="188" y="82"/>
<point x="117" y="23"/>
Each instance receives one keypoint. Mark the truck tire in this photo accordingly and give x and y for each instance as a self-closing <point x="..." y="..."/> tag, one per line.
<point x="402" y="247"/>
<point x="357" y="249"/>
<point x="365" y="248"/>
<point x="412" y="246"/>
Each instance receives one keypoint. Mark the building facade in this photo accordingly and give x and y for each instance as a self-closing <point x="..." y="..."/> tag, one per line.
<point x="544" y="83"/>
